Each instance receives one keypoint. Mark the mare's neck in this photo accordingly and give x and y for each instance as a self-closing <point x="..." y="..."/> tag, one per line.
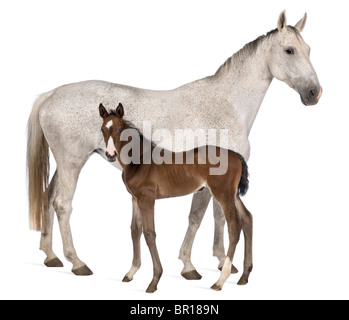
<point x="245" y="78"/>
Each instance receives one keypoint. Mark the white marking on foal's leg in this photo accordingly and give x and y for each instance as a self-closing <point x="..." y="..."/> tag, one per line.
<point x="109" y="124"/>
<point x="226" y="271"/>
<point x="129" y="276"/>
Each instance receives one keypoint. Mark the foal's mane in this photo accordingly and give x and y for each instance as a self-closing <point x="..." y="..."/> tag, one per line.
<point x="250" y="48"/>
<point x="132" y="126"/>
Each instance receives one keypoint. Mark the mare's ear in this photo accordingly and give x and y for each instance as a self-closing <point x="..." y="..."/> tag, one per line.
<point x="282" y="21"/>
<point x="102" y="111"/>
<point x="119" y="111"/>
<point x="301" y="23"/>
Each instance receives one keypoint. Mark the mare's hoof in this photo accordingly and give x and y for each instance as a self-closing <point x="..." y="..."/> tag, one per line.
<point x="127" y="279"/>
<point x="216" y="287"/>
<point x="191" y="275"/>
<point x="151" y="289"/>
<point x="233" y="269"/>
<point x="82" y="271"/>
<point x="242" y="281"/>
<point x="54" y="263"/>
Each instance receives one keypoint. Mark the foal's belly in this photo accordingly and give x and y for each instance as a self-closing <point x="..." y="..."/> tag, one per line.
<point x="177" y="185"/>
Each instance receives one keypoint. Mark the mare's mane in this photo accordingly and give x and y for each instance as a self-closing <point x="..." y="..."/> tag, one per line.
<point x="250" y="48"/>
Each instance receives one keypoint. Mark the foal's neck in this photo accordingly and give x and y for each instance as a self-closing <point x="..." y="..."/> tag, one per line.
<point x="138" y="144"/>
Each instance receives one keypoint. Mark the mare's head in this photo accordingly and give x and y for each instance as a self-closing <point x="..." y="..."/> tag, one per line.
<point x="112" y="127"/>
<point x="289" y="61"/>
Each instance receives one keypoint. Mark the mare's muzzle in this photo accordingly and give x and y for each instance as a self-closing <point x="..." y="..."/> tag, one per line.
<point x="311" y="96"/>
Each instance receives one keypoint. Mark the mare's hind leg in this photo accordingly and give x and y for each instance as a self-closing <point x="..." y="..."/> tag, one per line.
<point x="136" y="232"/>
<point x="246" y="220"/>
<point x="218" y="243"/>
<point x="66" y="185"/>
<point x="199" y="205"/>
<point x="47" y="226"/>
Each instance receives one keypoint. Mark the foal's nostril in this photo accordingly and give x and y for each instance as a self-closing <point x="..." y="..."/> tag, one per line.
<point x="110" y="156"/>
<point x="312" y="93"/>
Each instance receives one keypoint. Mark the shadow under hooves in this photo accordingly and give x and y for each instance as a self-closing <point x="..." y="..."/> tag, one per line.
<point x="191" y="275"/>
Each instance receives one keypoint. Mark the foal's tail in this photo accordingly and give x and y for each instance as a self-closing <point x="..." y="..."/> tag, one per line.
<point x="243" y="184"/>
<point x="38" y="166"/>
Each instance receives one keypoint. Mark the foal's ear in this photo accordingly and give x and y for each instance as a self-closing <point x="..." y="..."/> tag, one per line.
<point x="282" y="21"/>
<point x="301" y="23"/>
<point x="102" y="111"/>
<point x="119" y="111"/>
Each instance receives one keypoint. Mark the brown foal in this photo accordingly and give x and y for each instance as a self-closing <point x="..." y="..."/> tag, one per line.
<point x="148" y="181"/>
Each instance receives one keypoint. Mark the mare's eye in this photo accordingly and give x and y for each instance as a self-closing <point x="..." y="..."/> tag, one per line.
<point x="121" y="129"/>
<point x="289" y="51"/>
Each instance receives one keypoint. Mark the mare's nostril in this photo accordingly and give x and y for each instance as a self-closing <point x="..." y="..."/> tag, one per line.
<point x="311" y="93"/>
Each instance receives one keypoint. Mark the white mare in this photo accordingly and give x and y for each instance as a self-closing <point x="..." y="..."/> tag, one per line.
<point x="236" y="91"/>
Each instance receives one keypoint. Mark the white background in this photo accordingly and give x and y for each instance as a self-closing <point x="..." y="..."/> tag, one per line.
<point x="298" y="166"/>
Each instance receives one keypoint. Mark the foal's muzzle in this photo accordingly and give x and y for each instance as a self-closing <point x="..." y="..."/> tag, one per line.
<point x="111" y="158"/>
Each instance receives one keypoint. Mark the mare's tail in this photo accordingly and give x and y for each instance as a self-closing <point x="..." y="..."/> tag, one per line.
<point x="243" y="184"/>
<point x="38" y="167"/>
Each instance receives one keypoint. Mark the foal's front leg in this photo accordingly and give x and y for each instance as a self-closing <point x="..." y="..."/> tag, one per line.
<point x="146" y="208"/>
<point x="136" y="232"/>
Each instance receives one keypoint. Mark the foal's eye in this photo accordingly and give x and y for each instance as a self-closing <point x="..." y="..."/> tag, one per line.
<point x="289" y="51"/>
<point x="121" y="129"/>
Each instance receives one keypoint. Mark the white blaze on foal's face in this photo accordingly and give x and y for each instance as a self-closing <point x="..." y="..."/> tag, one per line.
<point x="110" y="146"/>
<point x="110" y="143"/>
<point x="108" y="129"/>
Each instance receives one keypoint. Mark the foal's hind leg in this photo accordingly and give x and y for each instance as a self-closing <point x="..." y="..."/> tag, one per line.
<point x="218" y="243"/>
<point x="47" y="226"/>
<point x="136" y="232"/>
<point x="228" y="205"/>
<point x="199" y="205"/>
<point x="66" y="185"/>
<point x="246" y="220"/>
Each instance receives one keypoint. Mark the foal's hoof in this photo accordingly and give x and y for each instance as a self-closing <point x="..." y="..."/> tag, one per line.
<point x="54" y="263"/>
<point x="242" y="281"/>
<point x="191" y="275"/>
<point x="216" y="287"/>
<point x="233" y="269"/>
<point x="127" y="279"/>
<point x="82" y="271"/>
<point x="151" y="289"/>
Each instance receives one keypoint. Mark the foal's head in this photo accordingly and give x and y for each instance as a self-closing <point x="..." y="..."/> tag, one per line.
<point x="112" y="127"/>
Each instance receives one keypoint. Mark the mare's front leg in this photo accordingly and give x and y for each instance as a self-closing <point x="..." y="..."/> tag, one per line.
<point x="136" y="232"/>
<point x="146" y="208"/>
<point x="199" y="205"/>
